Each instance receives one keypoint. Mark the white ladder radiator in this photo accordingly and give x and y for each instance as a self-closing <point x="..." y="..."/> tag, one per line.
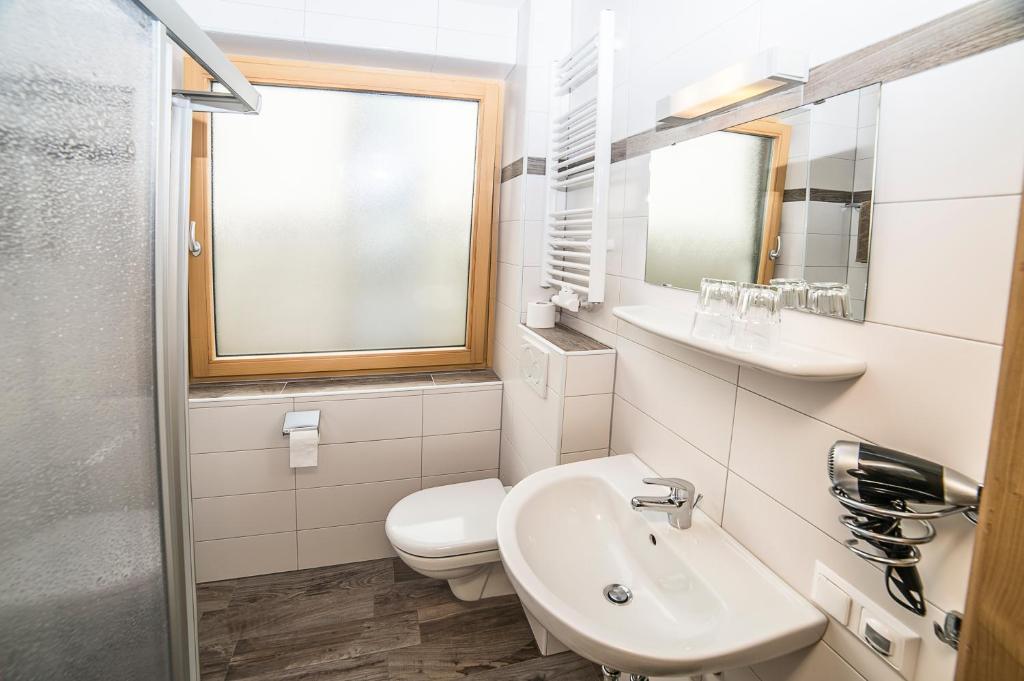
<point x="578" y="168"/>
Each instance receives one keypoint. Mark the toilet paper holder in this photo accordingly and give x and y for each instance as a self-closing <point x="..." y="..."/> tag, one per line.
<point x="301" y="420"/>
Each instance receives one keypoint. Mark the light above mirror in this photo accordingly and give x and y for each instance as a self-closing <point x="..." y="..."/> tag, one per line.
<point x="766" y="73"/>
<point x="787" y="196"/>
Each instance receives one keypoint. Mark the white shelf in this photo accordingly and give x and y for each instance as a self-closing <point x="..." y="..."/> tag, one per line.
<point x="792" y="361"/>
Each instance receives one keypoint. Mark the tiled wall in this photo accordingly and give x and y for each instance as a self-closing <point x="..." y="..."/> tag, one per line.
<point x="950" y="167"/>
<point x="253" y="514"/>
<point x="531" y="432"/>
<point x="570" y="422"/>
<point x="460" y="37"/>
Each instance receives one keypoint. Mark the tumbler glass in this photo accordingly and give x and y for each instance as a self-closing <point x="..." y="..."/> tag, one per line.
<point x="757" y="324"/>
<point x="829" y="298"/>
<point x="716" y="304"/>
<point x="793" y="293"/>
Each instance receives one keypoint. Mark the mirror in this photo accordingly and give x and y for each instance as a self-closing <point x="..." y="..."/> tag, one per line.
<point x="784" y="197"/>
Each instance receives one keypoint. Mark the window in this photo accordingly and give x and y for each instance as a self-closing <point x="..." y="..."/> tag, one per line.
<point x="347" y="227"/>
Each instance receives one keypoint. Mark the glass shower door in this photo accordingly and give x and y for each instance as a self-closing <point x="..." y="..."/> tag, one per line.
<point x="82" y="575"/>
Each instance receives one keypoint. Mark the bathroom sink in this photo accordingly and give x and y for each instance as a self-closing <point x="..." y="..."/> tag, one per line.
<point x="699" y="602"/>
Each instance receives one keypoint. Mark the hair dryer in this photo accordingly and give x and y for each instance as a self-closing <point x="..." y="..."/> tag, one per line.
<point x="877" y="475"/>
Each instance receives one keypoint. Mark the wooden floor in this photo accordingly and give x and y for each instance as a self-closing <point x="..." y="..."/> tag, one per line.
<point x="372" y="621"/>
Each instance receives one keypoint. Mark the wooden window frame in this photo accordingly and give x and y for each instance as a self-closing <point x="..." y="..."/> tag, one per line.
<point x="205" y="364"/>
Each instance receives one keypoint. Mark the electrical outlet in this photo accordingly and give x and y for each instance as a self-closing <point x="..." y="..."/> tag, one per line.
<point x="883" y="634"/>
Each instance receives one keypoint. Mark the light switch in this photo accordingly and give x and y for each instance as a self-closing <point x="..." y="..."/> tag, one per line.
<point x="831" y="598"/>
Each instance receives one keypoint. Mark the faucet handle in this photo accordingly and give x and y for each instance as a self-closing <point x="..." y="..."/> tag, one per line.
<point x="676" y="485"/>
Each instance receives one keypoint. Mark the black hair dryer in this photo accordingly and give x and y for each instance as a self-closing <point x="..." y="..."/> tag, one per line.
<point x="876" y="486"/>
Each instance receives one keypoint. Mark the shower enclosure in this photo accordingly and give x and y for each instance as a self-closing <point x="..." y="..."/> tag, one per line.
<point x="95" y="578"/>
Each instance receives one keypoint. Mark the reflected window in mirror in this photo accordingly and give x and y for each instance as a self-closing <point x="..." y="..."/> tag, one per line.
<point x="784" y="197"/>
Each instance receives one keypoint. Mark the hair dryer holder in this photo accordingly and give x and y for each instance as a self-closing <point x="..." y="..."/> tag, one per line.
<point x="860" y="509"/>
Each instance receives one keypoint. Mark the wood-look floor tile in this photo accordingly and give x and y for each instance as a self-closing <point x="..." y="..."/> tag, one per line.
<point x="562" y="667"/>
<point x="214" y="595"/>
<point x="216" y="645"/>
<point x="464" y="644"/>
<point x="437" y="611"/>
<point x="363" y="668"/>
<point x="270" y="657"/>
<point x="404" y="573"/>
<point x="412" y="595"/>
<point x="368" y="574"/>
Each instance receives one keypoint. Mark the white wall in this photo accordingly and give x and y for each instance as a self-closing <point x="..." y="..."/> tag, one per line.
<point x="460" y="37"/>
<point x="950" y="165"/>
<point x="531" y="428"/>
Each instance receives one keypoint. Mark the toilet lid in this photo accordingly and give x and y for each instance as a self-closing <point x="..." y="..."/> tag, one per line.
<point x="451" y="520"/>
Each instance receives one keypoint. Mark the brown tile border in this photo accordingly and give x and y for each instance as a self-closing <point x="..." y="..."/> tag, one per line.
<point x="535" y="165"/>
<point x="569" y="340"/>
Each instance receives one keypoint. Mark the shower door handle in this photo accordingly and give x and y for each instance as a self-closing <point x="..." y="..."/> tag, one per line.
<point x="194" y="247"/>
<point x="773" y="254"/>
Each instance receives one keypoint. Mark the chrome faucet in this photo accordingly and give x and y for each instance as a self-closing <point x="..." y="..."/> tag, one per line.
<point x="679" y="503"/>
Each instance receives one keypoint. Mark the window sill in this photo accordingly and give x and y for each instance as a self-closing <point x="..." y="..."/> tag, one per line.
<point x="347" y="385"/>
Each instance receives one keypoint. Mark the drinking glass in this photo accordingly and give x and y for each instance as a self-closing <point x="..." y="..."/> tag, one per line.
<point x="830" y="298"/>
<point x="793" y="293"/>
<point x="757" y="324"/>
<point x="716" y="304"/>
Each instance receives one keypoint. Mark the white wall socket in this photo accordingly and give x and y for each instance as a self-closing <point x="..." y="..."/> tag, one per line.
<point x="885" y="635"/>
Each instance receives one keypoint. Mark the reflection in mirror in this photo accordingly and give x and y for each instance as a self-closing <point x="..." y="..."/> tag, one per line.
<point x="784" y="197"/>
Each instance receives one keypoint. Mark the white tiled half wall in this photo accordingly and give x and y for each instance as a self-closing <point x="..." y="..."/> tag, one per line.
<point x="570" y="422"/>
<point x="253" y="514"/>
<point x="947" y="196"/>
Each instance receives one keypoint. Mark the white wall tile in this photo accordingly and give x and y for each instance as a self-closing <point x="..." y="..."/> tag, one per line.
<point x="574" y="457"/>
<point x="972" y="237"/>
<point x="510" y="284"/>
<point x="357" y="462"/>
<point x="926" y="394"/>
<point x="933" y="117"/>
<point x="379" y="418"/>
<point x="368" y="33"/>
<point x="346" y="544"/>
<point x="461" y="412"/>
<point x="246" y="472"/>
<point x="493" y="19"/>
<point x="586" y="422"/>
<point x="589" y="374"/>
<point x="634" y="432"/>
<point x="478" y="46"/>
<point x="243" y="515"/>
<point x="245" y="556"/>
<point x="634" y="247"/>
<point x="226" y="428"/>
<point x="460" y="452"/>
<point x="350" y="504"/>
<point x="758" y="522"/>
<point x="510" y="242"/>
<point x="246" y="19"/>
<point x="696" y="406"/>
<point x="420" y="12"/>
<point x="455" y="478"/>
<point x="811" y="664"/>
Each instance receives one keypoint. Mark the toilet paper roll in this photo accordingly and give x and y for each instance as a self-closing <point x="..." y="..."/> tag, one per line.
<point x="540" y="315"/>
<point x="303" y="448"/>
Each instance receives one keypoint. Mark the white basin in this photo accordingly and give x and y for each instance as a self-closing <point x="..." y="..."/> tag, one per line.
<point x="701" y="602"/>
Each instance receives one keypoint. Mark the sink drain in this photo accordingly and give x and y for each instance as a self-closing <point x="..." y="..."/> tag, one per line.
<point x="618" y="594"/>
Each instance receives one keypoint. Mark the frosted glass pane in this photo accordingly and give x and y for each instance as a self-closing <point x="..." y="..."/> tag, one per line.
<point x="342" y="221"/>
<point x="707" y="207"/>
<point x="81" y="575"/>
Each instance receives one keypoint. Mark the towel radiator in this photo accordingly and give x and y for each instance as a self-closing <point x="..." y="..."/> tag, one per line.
<point x="578" y="168"/>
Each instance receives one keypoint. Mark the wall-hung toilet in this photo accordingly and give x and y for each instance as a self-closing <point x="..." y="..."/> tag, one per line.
<point x="450" y="532"/>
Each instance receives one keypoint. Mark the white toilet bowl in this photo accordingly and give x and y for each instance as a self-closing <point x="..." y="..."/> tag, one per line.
<point x="450" y="533"/>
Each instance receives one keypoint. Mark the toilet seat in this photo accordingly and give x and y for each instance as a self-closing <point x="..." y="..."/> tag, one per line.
<point x="452" y="525"/>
